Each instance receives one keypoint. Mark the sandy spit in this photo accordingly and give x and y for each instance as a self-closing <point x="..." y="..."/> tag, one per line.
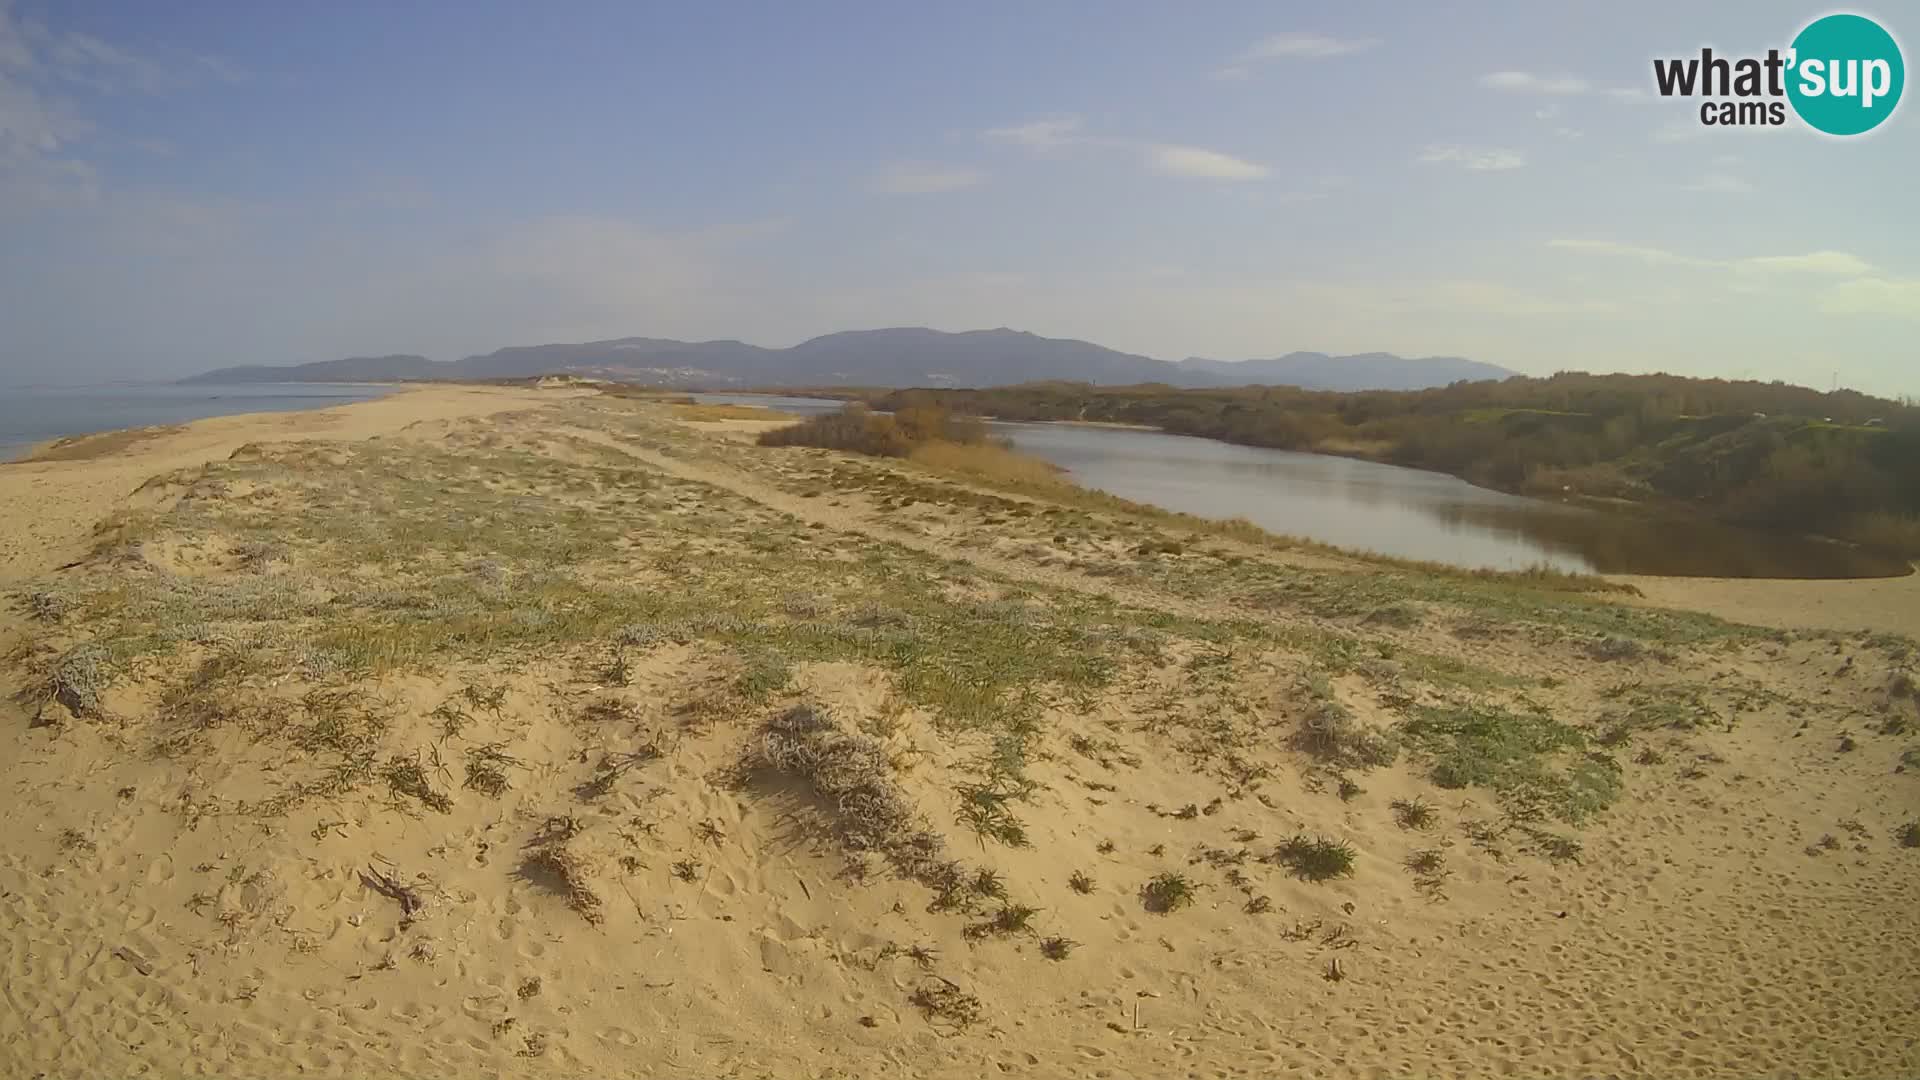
<point x="52" y="506"/>
<point x="1744" y="909"/>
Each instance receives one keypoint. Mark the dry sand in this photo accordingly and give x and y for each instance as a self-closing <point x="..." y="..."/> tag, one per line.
<point x="1703" y="932"/>
<point x="1891" y="605"/>
<point x="51" y="505"/>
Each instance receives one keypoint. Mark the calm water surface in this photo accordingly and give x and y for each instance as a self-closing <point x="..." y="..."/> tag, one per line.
<point x="1409" y="513"/>
<point x="30" y="415"/>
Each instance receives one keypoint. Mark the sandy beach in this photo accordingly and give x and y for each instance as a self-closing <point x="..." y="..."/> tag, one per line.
<point x="488" y="732"/>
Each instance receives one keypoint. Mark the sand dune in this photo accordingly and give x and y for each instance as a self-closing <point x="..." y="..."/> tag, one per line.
<point x="58" y="500"/>
<point x="428" y="737"/>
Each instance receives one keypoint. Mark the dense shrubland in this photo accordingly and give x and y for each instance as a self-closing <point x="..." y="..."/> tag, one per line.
<point x="896" y="434"/>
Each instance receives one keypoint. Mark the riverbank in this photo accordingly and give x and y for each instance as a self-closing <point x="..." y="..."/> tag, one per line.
<point x="1764" y="458"/>
<point x="1423" y="515"/>
<point x="1350" y="502"/>
<point x="485" y="732"/>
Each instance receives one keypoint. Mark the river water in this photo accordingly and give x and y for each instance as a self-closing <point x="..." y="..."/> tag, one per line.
<point x="1407" y="513"/>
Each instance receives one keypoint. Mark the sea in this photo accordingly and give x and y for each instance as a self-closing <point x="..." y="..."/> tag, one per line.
<point x="30" y="415"/>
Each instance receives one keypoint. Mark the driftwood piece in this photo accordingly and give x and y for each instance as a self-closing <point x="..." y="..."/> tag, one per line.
<point x="408" y="899"/>
<point x="139" y="963"/>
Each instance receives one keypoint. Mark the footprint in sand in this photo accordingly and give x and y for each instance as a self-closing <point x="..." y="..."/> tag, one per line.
<point x="160" y="870"/>
<point x="619" y="1037"/>
<point x="486" y="1008"/>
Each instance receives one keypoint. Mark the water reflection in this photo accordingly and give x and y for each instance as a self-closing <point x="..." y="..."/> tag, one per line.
<point x="1352" y="504"/>
<point x="1630" y="543"/>
<point x="1407" y="513"/>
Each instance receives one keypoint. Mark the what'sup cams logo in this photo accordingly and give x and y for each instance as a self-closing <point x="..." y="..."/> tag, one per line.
<point x="1842" y="75"/>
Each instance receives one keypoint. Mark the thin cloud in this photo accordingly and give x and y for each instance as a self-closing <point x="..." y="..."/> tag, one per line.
<point x="1818" y="262"/>
<point x="42" y="124"/>
<point x="1474" y="159"/>
<point x="13" y="42"/>
<point x="222" y="70"/>
<point x="1873" y="296"/>
<point x="1169" y="159"/>
<point x="1042" y="134"/>
<point x="1552" y="112"/>
<point x="1523" y="82"/>
<point x="914" y="178"/>
<point x="38" y="127"/>
<point x="1306" y="46"/>
<point x="91" y="62"/>
<point x="1203" y="164"/>
<point x="84" y="60"/>
<point x="1837" y="263"/>
<point x="1293" y="46"/>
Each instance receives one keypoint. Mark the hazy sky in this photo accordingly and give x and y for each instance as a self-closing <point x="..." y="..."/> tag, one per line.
<point x="184" y="186"/>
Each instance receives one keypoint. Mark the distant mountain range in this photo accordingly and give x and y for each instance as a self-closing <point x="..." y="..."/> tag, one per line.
<point x="901" y="357"/>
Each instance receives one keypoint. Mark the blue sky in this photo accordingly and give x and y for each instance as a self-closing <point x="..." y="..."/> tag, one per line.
<point x="192" y="185"/>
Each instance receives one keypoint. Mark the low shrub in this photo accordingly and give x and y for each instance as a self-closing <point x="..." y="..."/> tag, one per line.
<point x="1316" y="858"/>
<point x="863" y="431"/>
<point x="1166" y="893"/>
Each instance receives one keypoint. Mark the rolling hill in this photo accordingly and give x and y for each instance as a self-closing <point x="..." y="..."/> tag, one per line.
<point x="901" y="356"/>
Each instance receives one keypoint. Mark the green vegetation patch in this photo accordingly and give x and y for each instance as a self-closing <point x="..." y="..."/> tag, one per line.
<point x="1369" y="594"/>
<point x="1532" y="761"/>
<point x="499" y="540"/>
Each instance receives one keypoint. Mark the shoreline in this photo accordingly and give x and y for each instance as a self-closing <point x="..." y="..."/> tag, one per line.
<point x="58" y="502"/>
<point x="45" y="450"/>
<point x="19" y="452"/>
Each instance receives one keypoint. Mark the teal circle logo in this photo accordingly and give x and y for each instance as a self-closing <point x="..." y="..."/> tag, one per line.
<point x="1846" y="74"/>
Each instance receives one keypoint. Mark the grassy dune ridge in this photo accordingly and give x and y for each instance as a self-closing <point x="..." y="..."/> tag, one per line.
<point x="581" y="737"/>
